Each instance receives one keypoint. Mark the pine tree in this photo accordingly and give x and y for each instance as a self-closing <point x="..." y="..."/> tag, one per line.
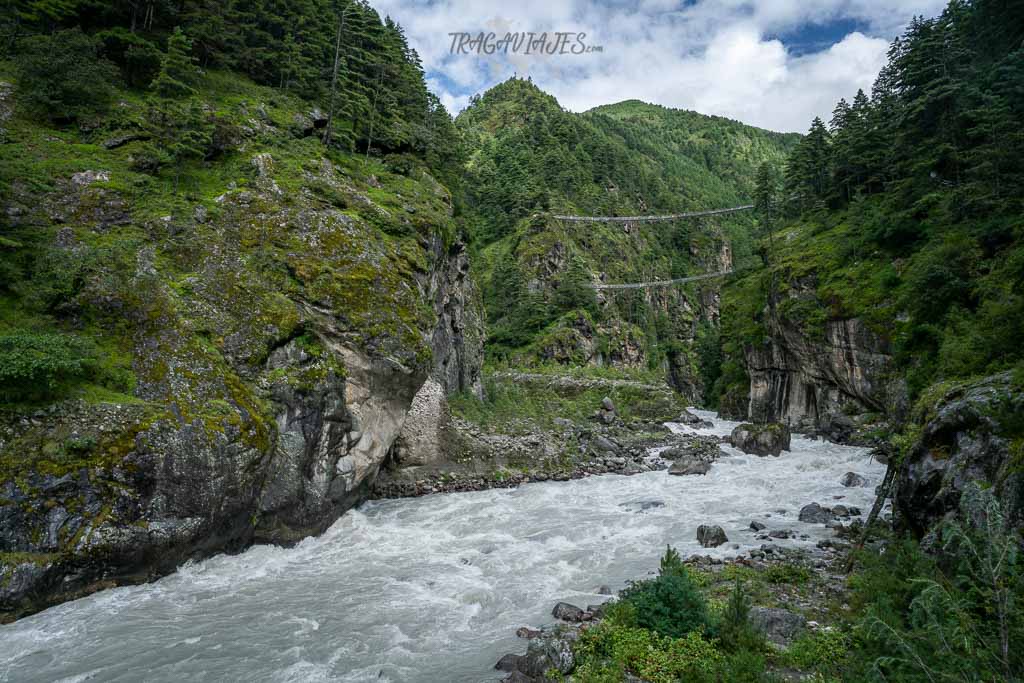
<point x="574" y="291"/>
<point x="178" y="72"/>
<point x="765" y="200"/>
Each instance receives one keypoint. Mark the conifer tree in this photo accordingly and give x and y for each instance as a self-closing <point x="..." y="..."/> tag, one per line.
<point x="178" y="72"/>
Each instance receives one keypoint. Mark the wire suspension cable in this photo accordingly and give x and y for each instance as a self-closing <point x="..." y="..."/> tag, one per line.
<point x="650" y="219"/>
<point x="661" y="283"/>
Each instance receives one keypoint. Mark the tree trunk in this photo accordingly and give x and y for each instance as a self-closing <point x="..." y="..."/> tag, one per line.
<point x="373" y="112"/>
<point x="334" y="80"/>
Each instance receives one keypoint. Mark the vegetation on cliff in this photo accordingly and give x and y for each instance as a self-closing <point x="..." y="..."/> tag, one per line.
<point x="191" y="266"/>
<point x="529" y="159"/>
<point x="904" y="210"/>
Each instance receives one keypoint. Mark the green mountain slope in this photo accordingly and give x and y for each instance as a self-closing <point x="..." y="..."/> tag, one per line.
<point x="529" y="158"/>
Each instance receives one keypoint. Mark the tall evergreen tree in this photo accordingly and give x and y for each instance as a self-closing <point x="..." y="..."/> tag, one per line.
<point x="178" y="71"/>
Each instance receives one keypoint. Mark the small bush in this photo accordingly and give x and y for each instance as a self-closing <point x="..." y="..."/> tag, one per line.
<point x="822" y="651"/>
<point x="671" y="604"/>
<point x="36" y="366"/>
<point x="62" y="76"/>
<point x="788" y="573"/>
<point x="608" y="651"/>
<point x="734" y="627"/>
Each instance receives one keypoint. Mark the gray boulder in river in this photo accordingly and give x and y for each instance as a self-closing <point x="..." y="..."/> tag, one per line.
<point x="766" y="439"/>
<point x="711" y="536"/>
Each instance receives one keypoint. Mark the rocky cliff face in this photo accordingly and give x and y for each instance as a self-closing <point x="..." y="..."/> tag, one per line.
<point x="970" y="432"/>
<point x="276" y="343"/>
<point x="811" y="376"/>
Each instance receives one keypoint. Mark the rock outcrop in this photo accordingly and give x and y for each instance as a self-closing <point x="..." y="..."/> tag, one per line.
<point x="970" y="433"/>
<point x="711" y="536"/>
<point x="270" y="382"/>
<point x="809" y="374"/>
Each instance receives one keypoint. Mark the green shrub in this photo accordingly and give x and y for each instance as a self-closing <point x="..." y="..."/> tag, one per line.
<point x="62" y="76"/>
<point x="36" y="366"/>
<point x="795" y="574"/>
<point x="734" y="629"/>
<point x="670" y="604"/>
<point x="821" y="651"/>
<point x="607" y="651"/>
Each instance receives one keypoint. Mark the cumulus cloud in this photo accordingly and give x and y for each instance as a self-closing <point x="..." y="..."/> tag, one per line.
<point x="735" y="58"/>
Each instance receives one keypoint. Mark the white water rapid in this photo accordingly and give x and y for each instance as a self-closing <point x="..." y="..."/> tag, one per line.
<point x="427" y="589"/>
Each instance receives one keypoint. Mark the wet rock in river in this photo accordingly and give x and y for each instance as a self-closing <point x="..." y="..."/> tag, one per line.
<point x="761" y="440"/>
<point x="689" y="419"/>
<point x="852" y="479"/>
<point x="711" y="536"/>
<point x="569" y="612"/>
<point x="815" y="514"/>
<point x="508" y="662"/>
<point x="757" y="526"/>
<point x="689" y="465"/>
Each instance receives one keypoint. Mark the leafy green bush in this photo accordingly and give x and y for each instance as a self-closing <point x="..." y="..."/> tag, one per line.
<point x="670" y="604"/>
<point x="607" y="651"/>
<point x="35" y="366"/>
<point x="822" y="651"/>
<point x="62" y="76"/>
<point x="788" y="572"/>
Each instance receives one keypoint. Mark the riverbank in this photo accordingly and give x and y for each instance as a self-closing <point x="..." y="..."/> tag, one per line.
<point x="795" y="607"/>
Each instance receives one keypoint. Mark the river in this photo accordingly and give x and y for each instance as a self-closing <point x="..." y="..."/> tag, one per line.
<point x="426" y="589"/>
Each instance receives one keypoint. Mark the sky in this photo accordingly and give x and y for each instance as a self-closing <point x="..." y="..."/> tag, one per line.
<point x="771" y="63"/>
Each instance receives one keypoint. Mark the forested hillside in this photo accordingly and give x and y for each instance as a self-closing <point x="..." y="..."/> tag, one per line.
<point x="904" y="211"/>
<point x="529" y="159"/>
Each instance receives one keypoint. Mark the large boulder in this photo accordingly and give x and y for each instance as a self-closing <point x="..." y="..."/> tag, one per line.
<point x="815" y="514"/>
<point x="762" y="440"/>
<point x="837" y="428"/>
<point x="690" y="420"/>
<point x="689" y="465"/>
<point x="966" y="435"/>
<point x="711" y="536"/>
<point x="779" y="626"/>
<point x="551" y="651"/>
<point x="703" y="448"/>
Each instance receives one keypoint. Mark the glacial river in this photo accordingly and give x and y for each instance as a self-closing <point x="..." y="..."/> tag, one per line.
<point x="428" y="589"/>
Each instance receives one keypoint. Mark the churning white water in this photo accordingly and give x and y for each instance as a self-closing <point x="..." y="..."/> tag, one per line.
<point x="427" y="589"/>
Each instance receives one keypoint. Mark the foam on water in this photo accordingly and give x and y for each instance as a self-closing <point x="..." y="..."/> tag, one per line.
<point x="425" y="589"/>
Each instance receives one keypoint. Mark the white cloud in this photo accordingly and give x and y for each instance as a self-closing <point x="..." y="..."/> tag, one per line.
<point x="712" y="56"/>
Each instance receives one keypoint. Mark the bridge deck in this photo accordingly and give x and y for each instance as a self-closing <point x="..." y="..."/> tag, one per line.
<point x="650" y="219"/>
<point x="662" y="283"/>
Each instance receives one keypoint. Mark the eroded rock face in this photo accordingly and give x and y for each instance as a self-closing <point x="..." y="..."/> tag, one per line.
<point x="967" y="435"/>
<point x="764" y="439"/>
<point x="809" y="380"/>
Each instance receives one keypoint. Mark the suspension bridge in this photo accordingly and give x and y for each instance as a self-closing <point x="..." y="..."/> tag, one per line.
<point x="654" y="219"/>
<point x="661" y="283"/>
<point x="651" y="219"/>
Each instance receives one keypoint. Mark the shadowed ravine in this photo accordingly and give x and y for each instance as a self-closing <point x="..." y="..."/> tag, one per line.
<point x="425" y="589"/>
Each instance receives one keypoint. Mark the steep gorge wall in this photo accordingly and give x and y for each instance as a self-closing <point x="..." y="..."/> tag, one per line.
<point x="814" y="375"/>
<point x="272" y="380"/>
